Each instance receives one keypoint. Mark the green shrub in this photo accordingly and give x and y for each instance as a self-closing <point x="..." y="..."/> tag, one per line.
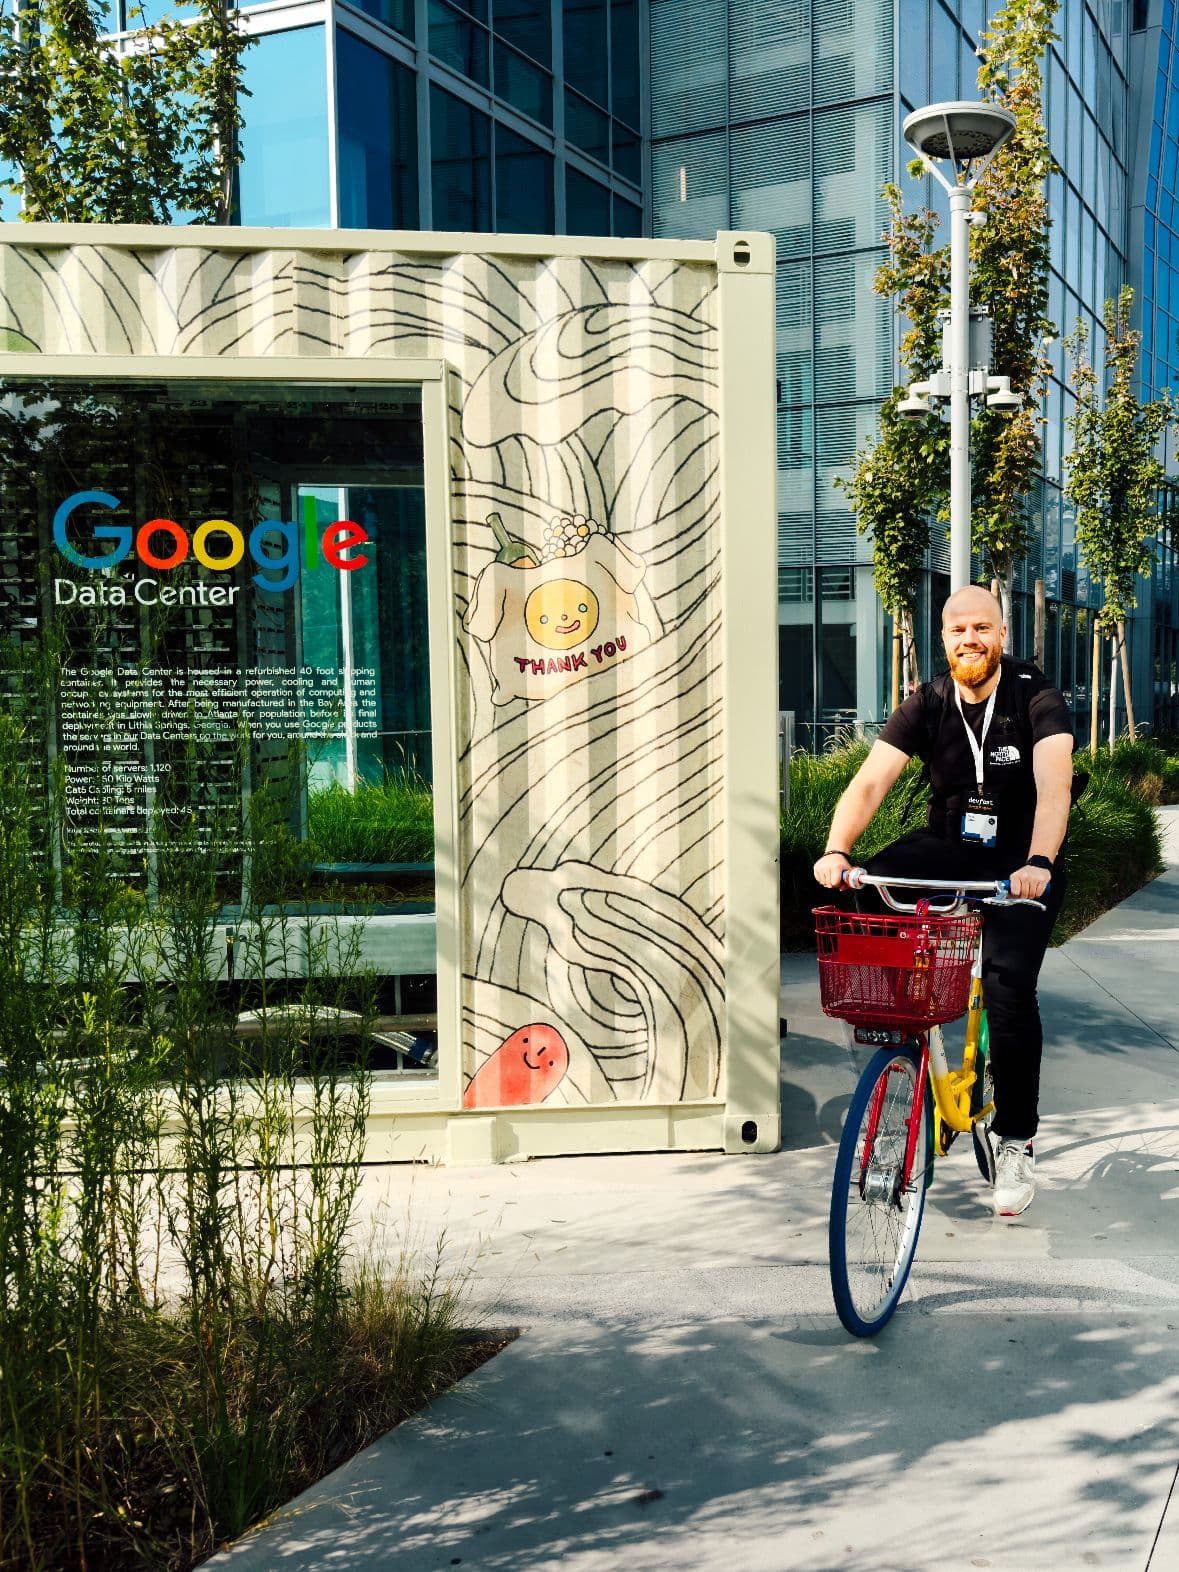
<point x="1113" y="845"/>
<point x="385" y="821"/>
<point x="816" y="784"/>
<point x="1150" y="766"/>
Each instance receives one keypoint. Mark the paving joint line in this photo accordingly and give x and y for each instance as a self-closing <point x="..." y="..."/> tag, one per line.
<point x="1110" y="995"/>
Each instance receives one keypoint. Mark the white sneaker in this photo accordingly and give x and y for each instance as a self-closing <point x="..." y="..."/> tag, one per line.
<point x="1015" y="1183"/>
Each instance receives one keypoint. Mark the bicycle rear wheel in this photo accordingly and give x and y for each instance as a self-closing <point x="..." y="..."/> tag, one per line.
<point x="875" y="1216"/>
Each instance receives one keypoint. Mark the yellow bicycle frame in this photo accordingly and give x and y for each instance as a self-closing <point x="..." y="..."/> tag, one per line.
<point x="952" y="1088"/>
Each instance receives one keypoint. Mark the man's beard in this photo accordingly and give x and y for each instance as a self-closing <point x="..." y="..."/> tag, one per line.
<point x="974" y="671"/>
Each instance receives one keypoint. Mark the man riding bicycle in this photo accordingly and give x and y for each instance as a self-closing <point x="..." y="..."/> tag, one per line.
<point x="996" y="739"/>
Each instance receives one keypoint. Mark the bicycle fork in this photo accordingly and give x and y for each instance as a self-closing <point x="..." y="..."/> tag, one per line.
<point x="889" y="1184"/>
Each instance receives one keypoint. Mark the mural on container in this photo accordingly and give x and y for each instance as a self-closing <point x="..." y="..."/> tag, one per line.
<point x="584" y="489"/>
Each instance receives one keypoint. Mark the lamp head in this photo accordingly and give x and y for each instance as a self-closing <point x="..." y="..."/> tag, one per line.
<point x="958" y="131"/>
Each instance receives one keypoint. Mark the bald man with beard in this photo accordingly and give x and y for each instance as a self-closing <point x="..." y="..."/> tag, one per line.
<point x="997" y="740"/>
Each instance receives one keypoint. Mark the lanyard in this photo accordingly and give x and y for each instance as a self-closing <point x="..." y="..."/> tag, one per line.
<point x="976" y="747"/>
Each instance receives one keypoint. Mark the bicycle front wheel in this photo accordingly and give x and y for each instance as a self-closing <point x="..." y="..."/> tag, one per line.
<point x="875" y="1213"/>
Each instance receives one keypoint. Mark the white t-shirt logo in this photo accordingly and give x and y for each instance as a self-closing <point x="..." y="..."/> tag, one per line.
<point x="1005" y="754"/>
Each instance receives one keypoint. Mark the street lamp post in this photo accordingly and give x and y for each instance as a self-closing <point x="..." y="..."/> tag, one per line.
<point x="967" y="136"/>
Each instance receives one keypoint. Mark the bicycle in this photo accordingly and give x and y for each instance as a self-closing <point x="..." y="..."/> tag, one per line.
<point x="897" y="980"/>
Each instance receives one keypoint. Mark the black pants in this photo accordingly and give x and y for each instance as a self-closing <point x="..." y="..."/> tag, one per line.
<point x="1014" y="942"/>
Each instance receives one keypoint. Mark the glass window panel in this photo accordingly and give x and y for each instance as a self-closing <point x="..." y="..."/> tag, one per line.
<point x="769" y="49"/>
<point x="460" y="173"/>
<point x="690" y="186"/>
<point x="627" y="154"/>
<point x="527" y="87"/>
<point x="587" y="205"/>
<point x="914" y="51"/>
<point x="587" y="48"/>
<point x="771" y="181"/>
<point x="291" y="650"/>
<point x="625" y="86"/>
<point x="458" y="41"/>
<point x="397" y="14"/>
<point x="852" y="50"/>
<point x="523" y="185"/>
<point x="853" y="329"/>
<point x="689" y="45"/>
<point x="792" y="300"/>
<point x="283" y="178"/>
<point x="628" y="218"/>
<point x="1088" y="179"/>
<point x="852" y="161"/>
<point x="1057" y="106"/>
<point x="527" y="24"/>
<point x="943" y="72"/>
<point x="586" y="127"/>
<point x="378" y="138"/>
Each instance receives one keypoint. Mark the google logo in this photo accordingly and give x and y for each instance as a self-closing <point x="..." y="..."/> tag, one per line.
<point x="216" y="544"/>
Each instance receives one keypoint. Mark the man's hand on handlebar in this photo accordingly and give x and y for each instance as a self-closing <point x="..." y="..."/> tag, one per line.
<point x="1029" y="883"/>
<point x="830" y="869"/>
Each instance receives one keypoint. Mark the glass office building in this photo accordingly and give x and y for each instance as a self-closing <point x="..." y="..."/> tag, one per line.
<point x="505" y="115"/>
<point x="786" y="115"/>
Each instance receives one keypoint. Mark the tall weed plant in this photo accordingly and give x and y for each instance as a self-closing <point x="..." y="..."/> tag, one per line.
<point x="185" y="1339"/>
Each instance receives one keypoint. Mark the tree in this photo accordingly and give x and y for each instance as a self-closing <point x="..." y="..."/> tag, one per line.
<point x="1113" y="476"/>
<point x="148" y="135"/>
<point x="901" y="480"/>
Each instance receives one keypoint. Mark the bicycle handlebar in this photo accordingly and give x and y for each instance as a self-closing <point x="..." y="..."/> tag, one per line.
<point x="998" y="892"/>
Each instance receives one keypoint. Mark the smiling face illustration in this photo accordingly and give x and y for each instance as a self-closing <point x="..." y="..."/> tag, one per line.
<point x="525" y="1068"/>
<point x="561" y="614"/>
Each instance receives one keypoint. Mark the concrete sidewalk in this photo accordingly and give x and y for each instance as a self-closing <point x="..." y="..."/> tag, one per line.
<point x="684" y="1397"/>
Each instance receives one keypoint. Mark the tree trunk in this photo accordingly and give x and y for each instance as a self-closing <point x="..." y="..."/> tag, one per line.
<point x="1094" y="688"/>
<point x="913" y="668"/>
<point x="1113" y="689"/>
<point x="1038" y="645"/>
<point x="894" y="689"/>
<point x="1005" y="601"/>
<point x="1126" y="688"/>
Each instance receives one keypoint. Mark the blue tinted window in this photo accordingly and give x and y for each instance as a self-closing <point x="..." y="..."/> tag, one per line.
<point x="523" y="185"/>
<point x="397" y="14"/>
<point x="460" y="150"/>
<point x="458" y="41"/>
<point x="914" y="51"/>
<point x="527" y="87"/>
<point x="587" y="205"/>
<point x="627" y="154"/>
<point x="943" y="72"/>
<point x="527" y="24"/>
<point x="378" y="138"/>
<point x="587" y="48"/>
<point x="628" y="219"/>
<point x="624" y="59"/>
<point x="284" y="174"/>
<point x="586" y="127"/>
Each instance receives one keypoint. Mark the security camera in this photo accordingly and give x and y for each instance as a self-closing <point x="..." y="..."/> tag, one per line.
<point x="1002" y="396"/>
<point x="914" y="407"/>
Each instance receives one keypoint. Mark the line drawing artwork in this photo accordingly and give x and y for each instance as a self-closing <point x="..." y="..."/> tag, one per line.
<point x="583" y="438"/>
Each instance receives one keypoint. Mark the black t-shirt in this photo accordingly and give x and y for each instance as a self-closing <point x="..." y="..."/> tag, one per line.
<point x="927" y="726"/>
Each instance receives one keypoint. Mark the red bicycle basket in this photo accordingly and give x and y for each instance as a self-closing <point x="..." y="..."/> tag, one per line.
<point x="909" y="972"/>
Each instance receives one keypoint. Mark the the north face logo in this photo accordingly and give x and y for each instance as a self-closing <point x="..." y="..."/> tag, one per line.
<point x="1005" y="754"/>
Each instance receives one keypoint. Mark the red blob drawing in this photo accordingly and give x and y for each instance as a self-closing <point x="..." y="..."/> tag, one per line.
<point x="525" y="1068"/>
